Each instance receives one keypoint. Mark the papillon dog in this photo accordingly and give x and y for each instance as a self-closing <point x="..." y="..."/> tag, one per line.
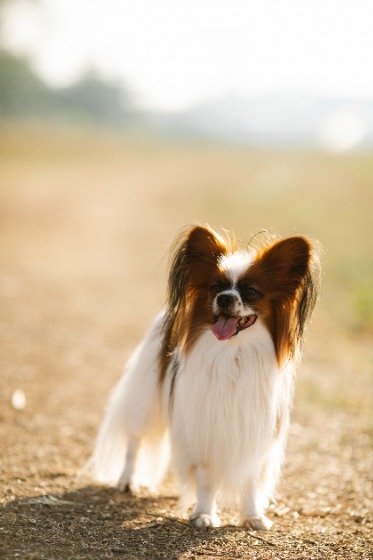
<point x="210" y="387"/>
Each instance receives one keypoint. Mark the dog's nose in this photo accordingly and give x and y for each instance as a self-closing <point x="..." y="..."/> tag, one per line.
<point x="225" y="300"/>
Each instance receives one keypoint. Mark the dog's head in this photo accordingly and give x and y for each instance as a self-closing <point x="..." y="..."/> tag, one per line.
<point x="213" y="285"/>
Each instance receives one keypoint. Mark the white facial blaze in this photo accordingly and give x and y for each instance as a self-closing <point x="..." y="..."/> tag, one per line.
<point x="235" y="265"/>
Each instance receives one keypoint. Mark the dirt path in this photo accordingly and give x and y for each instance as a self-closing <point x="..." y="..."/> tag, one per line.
<point x="47" y="513"/>
<point x="74" y="261"/>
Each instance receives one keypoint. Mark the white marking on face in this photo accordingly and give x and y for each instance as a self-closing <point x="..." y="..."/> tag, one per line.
<point x="236" y="264"/>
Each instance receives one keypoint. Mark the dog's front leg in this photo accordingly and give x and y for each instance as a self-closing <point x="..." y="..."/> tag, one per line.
<point x="252" y="514"/>
<point x="205" y="514"/>
<point x="125" y="481"/>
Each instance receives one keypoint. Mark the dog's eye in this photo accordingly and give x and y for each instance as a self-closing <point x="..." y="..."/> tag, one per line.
<point x="217" y="287"/>
<point x="249" y="292"/>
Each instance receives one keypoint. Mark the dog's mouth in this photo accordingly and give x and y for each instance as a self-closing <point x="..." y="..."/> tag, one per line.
<point x="226" y="326"/>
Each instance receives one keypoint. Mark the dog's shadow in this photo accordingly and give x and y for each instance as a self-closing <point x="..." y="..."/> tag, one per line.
<point x="98" y="522"/>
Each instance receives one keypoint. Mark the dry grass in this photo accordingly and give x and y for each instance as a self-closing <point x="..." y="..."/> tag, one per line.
<point x="86" y="222"/>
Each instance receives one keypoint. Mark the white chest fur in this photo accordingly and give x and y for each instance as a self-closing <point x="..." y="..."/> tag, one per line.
<point x="227" y="399"/>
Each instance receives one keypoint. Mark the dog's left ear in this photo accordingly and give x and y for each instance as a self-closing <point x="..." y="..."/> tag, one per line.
<point x="292" y="267"/>
<point x="289" y="272"/>
<point x="285" y="264"/>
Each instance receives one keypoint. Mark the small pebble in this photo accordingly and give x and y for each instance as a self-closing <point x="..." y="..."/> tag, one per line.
<point x="18" y="399"/>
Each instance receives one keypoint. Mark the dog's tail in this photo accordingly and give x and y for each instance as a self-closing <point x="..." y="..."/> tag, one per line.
<point x="133" y="441"/>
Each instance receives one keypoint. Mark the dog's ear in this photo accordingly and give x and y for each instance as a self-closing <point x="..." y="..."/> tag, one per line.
<point x="195" y="257"/>
<point x="283" y="266"/>
<point x="204" y="246"/>
<point x="292" y="267"/>
<point x="289" y="272"/>
<point x="196" y="253"/>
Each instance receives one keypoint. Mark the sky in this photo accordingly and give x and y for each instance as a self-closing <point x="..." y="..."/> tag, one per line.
<point x="174" y="53"/>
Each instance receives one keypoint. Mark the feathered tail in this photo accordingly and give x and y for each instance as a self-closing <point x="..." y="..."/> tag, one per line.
<point x="134" y="418"/>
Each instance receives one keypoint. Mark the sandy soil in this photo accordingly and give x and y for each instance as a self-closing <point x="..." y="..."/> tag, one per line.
<point x="80" y="281"/>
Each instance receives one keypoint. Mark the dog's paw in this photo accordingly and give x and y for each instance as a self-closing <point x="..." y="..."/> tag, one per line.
<point x="258" y="523"/>
<point x="125" y="487"/>
<point x="203" y="520"/>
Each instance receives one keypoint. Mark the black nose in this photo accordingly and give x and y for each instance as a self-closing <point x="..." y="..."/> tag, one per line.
<point x="225" y="300"/>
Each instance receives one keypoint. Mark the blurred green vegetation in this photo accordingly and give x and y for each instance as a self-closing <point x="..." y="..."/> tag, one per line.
<point x="24" y="94"/>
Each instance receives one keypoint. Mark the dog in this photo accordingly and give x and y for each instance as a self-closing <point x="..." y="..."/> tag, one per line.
<point x="210" y="387"/>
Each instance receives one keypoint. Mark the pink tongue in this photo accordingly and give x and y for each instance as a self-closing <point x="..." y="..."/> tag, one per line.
<point x="225" y="327"/>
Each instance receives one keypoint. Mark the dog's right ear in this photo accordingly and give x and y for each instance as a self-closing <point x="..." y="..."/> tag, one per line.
<point x="195" y="256"/>
<point x="204" y="246"/>
<point x="196" y="252"/>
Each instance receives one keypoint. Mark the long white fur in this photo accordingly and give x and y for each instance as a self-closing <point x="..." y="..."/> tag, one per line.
<point x="227" y="397"/>
<point x="135" y="414"/>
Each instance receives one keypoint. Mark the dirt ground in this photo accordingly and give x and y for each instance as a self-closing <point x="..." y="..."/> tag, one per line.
<point x="84" y="240"/>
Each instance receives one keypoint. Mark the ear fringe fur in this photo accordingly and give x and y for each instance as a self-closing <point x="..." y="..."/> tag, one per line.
<point x="309" y="293"/>
<point x="196" y="243"/>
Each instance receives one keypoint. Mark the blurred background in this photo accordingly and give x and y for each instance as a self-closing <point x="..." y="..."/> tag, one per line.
<point x="123" y="121"/>
<point x="258" y="73"/>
